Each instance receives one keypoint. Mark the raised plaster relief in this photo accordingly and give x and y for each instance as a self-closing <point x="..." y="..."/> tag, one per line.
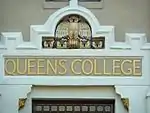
<point x="125" y="102"/>
<point x="73" y="32"/>
<point x="21" y="103"/>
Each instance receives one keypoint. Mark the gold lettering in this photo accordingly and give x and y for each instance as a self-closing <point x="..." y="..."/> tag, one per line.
<point x="21" y="66"/>
<point x="51" y="66"/>
<point x="123" y="67"/>
<point x="73" y="66"/>
<point x="95" y="68"/>
<point x="136" y="67"/>
<point x="39" y="66"/>
<point x="62" y="65"/>
<point x="8" y="66"/>
<point x="78" y="66"/>
<point x="115" y="67"/>
<point x="31" y="66"/>
<point x="91" y="67"/>
<point x="105" y="68"/>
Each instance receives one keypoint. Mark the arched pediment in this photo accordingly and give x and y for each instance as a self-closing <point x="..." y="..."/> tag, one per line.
<point x="53" y="20"/>
<point x="73" y="32"/>
<point x="46" y="32"/>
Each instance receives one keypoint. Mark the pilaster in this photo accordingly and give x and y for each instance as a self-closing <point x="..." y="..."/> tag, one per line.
<point x="136" y="96"/>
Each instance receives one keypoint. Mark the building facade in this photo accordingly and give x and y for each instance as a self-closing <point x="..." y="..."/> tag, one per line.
<point x="72" y="63"/>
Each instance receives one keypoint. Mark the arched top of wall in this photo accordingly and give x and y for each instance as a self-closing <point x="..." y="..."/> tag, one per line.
<point x="53" y="20"/>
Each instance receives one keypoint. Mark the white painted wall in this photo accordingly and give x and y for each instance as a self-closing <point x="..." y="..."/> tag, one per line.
<point x="148" y="101"/>
<point x="134" y="88"/>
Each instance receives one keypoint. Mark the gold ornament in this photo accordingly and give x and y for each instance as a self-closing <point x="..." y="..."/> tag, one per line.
<point x="22" y="103"/>
<point x="125" y="102"/>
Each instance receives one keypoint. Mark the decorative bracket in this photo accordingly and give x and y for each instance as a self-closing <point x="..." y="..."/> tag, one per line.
<point x="125" y="102"/>
<point x="22" y="100"/>
<point x="21" y="103"/>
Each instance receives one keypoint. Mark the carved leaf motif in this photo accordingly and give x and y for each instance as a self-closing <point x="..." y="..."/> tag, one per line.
<point x="22" y="103"/>
<point x="125" y="102"/>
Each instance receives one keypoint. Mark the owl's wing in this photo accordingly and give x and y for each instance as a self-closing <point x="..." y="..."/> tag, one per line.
<point x="62" y="29"/>
<point x="84" y="30"/>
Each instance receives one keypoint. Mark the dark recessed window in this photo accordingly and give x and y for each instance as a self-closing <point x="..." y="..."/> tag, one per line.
<point x="73" y="106"/>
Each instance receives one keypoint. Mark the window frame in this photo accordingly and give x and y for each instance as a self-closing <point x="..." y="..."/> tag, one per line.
<point x="87" y="4"/>
<point x="69" y="0"/>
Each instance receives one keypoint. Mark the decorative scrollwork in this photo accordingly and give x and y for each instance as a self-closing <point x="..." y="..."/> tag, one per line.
<point x="22" y="103"/>
<point x="125" y="102"/>
<point x="73" y="32"/>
